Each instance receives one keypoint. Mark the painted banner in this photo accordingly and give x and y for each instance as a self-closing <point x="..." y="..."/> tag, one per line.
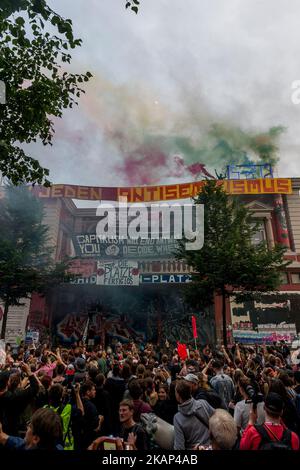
<point x="16" y="321"/>
<point x="255" y="337"/>
<point x="144" y="279"/>
<point x="90" y="246"/>
<point x="165" y="278"/>
<point x="118" y="273"/>
<point x="2" y="352"/>
<point x="265" y="333"/>
<point x="161" y="193"/>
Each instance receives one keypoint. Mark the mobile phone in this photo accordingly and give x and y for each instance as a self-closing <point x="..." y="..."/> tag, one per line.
<point x="109" y="445"/>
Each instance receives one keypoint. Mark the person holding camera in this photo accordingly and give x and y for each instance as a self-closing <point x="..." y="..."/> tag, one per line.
<point x="273" y="434"/>
<point x="242" y="408"/>
<point x="47" y="366"/>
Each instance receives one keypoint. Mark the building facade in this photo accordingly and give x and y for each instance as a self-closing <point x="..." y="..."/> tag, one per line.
<point x="153" y="307"/>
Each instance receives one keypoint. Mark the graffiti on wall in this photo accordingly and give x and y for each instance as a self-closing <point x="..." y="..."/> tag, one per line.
<point x="270" y="318"/>
<point x="72" y="327"/>
<point x="152" y="312"/>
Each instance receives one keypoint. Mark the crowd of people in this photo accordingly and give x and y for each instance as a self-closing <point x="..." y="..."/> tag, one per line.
<point x="237" y="398"/>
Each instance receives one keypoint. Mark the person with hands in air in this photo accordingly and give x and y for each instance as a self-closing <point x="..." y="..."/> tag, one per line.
<point x="12" y="404"/>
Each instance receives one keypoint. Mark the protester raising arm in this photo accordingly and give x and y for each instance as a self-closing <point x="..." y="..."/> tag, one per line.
<point x="78" y="398"/>
<point x="58" y="357"/>
<point x="238" y="352"/>
<point x="31" y="391"/>
<point x="204" y="371"/>
<point x="227" y="358"/>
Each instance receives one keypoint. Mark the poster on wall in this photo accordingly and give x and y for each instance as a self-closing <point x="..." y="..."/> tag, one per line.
<point x="118" y="273"/>
<point x="2" y="352"/>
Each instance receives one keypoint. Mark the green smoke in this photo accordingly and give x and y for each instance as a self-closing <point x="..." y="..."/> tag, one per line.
<point x="222" y="145"/>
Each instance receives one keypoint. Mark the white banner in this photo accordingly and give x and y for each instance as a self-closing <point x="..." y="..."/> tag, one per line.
<point x="118" y="273"/>
<point x="2" y="352"/>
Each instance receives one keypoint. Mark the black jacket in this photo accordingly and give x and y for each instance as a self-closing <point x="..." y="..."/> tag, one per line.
<point x="13" y="404"/>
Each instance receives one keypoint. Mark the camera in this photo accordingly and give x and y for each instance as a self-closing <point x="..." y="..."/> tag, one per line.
<point x="254" y="397"/>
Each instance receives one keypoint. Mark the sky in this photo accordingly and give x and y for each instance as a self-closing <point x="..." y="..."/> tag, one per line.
<point x="171" y="71"/>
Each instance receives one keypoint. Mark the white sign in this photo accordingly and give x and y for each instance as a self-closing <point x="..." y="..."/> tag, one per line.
<point x="2" y="352"/>
<point x="118" y="273"/>
<point x="16" y="321"/>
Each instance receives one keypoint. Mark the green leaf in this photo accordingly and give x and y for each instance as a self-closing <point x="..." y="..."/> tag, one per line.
<point x="20" y="21"/>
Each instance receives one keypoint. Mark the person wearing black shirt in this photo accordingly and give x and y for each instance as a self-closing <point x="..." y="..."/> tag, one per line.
<point x="132" y="433"/>
<point x="103" y="405"/>
<point x="91" y="419"/>
<point x="12" y="404"/>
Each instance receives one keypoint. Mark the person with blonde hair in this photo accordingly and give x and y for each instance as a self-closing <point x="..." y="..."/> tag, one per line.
<point x="223" y="431"/>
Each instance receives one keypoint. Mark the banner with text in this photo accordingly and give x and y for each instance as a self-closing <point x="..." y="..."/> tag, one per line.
<point x="117" y="273"/>
<point x="89" y="246"/>
<point x="161" y="193"/>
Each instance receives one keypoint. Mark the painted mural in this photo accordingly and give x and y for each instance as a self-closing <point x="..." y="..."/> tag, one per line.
<point x="151" y="313"/>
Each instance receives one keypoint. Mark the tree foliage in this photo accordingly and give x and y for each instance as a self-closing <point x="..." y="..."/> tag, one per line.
<point x="26" y="261"/>
<point x="35" y="48"/>
<point x="133" y="5"/>
<point x="228" y="263"/>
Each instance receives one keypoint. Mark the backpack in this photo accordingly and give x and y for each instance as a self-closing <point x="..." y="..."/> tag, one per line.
<point x="267" y="443"/>
<point x="65" y="413"/>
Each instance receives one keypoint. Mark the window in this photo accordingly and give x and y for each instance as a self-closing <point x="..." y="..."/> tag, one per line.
<point x="284" y="278"/>
<point x="260" y="235"/>
<point x="295" y="278"/>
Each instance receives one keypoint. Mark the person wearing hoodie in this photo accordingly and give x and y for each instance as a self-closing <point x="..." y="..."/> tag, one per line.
<point x="191" y="423"/>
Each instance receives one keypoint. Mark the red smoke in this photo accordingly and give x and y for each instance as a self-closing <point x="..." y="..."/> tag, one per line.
<point x="197" y="169"/>
<point x="144" y="165"/>
<point x="149" y="165"/>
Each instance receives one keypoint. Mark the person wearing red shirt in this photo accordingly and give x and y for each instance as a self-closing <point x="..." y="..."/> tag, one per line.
<point x="252" y="439"/>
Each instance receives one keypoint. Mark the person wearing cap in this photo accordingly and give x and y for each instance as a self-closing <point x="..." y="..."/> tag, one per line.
<point x="252" y="439"/>
<point x="193" y="382"/>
